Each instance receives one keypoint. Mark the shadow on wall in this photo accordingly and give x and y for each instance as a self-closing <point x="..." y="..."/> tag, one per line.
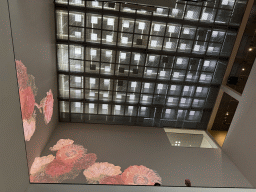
<point x="27" y="93"/>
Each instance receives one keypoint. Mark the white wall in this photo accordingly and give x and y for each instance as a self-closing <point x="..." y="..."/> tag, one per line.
<point x="240" y="143"/>
<point x="13" y="163"/>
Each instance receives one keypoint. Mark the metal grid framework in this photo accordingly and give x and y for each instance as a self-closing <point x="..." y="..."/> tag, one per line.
<point x="149" y="68"/>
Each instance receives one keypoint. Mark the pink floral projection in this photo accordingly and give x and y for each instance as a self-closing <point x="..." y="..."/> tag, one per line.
<point x="72" y="159"/>
<point x="27" y="92"/>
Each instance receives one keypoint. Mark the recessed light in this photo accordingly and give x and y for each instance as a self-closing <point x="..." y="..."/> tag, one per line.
<point x="175" y="12"/>
<point x="160" y="86"/>
<point x="215" y="33"/>
<point x="105" y="94"/>
<point x="183" y="100"/>
<point x="106" y="81"/>
<point x="152" y="58"/>
<point x="123" y="56"/>
<point x="78" y="79"/>
<point x="93" y="52"/>
<point x="159" y="10"/>
<point x="176" y="74"/>
<point x="206" y="63"/>
<point x="78" y="34"/>
<point x="157" y="27"/>
<point x="203" y="77"/>
<point x="192" y="113"/>
<point x="171" y="29"/>
<point x="149" y="72"/>
<point x="205" y="16"/>
<point x="190" y="14"/>
<point x="94" y="20"/>
<point x="224" y="2"/>
<point x="144" y="98"/>
<point x="197" y="47"/>
<point x="153" y="43"/>
<point x="124" y="40"/>
<point x="183" y="46"/>
<point x="141" y="25"/>
<point x="143" y="108"/>
<point x="162" y="73"/>
<point x="168" y="111"/>
<point x="179" y="61"/>
<point x="186" y="88"/>
<point x="109" y="38"/>
<point x="118" y="107"/>
<point x="130" y="108"/>
<point x="126" y="24"/>
<point x="173" y="87"/>
<point x="199" y="89"/>
<point x="170" y="99"/>
<point x="168" y="45"/>
<point x="107" y="68"/>
<point x="91" y="105"/>
<point x="110" y="21"/>
<point x="119" y="96"/>
<point x="104" y="106"/>
<point x="210" y="49"/>
<point x="137" y="57"/>
<point x="78" y="18"/>
<point x="108" y="53"/>
<point x="78" y="51"/>
<point x="92" y="94"/>
<point x="95" y="3"/>
<point x="77" y="104"/>
<point x="146" y="85"/>
<point x="92" y="80"/>
<point x="133" y="84"/>
<point x="186" y="31"/>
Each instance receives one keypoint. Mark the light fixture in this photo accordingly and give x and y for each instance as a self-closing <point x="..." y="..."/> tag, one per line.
<point x="153" y="43"/>
<point x="78" y="51"/>
<point x="78" y="79"/>
<point x="118" y="107"/>
<point x="183" y="46"/>
<point x="250" y="49"/>
<point x="190" y="14"/>
<point x="137" y="57"/>
<point x="94" y="20"/>
<point x="105" y="94"/>
<point x="149" y="72"/>
<point x="171" y="29"/>
<point x="78" y="92"/>
<point x="78" y="2"/>
<point x="77" y="105"/>
<point x="186" y="88"/>
<point x="152" y="58"/>
<point x="95" y="3"/>
<point x="189" y="76"/>
<point x="93" y="52"/>
<point x="126" y="24"/>
<point x="175" y="12"/>
<point x="170" y="100"/>
<point x="160" y="86"/>
<point x="224" y="2"/>
<point x="157" y="27"/>
<point x="107" y="68"/>
<point x="162" y="73"/>
<point x="205" y="16"/>
<point x="118" y="96"/>
<point x="210" y="49"/>
<point x="104" y="106"/>
<point x="206" y="63"/>
<point x="124" y="40"/>
<point x="186" y="31"/>
<point x="180" y="111"/>
<point x="159" y="10"/>
<point x="203" y="77"/>
<point x="110" y="21"/>
<point x="168" y="111"/>
<point x="215" y="33"/>
<point x="192" y="113"/>
<point x="143" y="108"/>
<point x="173" y="87"/>
<point x="94" y="36"/>
<point x="78" y="66"/>
<point x="132" y="97"/>
<point x="176" y="74"/>
<point x="199" y="89"/>
<point x="123" y="55"/>
<point x="168" y="45"/>
<point x="78" y="34"/>
<point x="109" y="38"/>
<point x="106" y="81"/>
<point x="108" y="53"/>
<point x="243" y="69"/>
<point x="183" y="100"/>
<point x="144" y="98"/>
<point x="227" y="113"/>
<point x="130" y="108"/>
<point x="133" y="84"/>
<point x="179" y="61"/>
<point x="196" y="101"/>
<point x="141" y="25"/>
<point x="78" y="18"/>
<point x="92" y="80"/>
<point x="146" y="85"/>
<point x="197" y="47"/>
<point x="92" y="94"/>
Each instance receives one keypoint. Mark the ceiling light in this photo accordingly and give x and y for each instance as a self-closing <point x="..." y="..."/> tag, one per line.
<point x="94" y="20"/>
<point x="143" y="108"/>
<point x="152" y="58"/>
<point x="180" y="111"/>
<point x="183" y="100"/>
<point x="196" y="101"/>
<point x="215" y="33"/>
<point x="110" y="21"/>
<point x="176" y="141"/>
<point x="118" y="96"/>
<point x="203" y="77"/>
<point x="224" y="2"/>
<point x="107" y="68"/>
<point x="133" y="84"/>
<point x="205" y="16"/>
<point x="78" y="79"/>
<point x="175" y="12"/>
<point x="189" y="76"/>
<point x="190" y="14"/>
<point x="132" y="97"/>
<point x="210" y="49"/>
<point x="159" y="10"/>
<point x="124" y="40"/>
<point x="168" y="111"/>
<point x="78" y="66"/>
<point x="146" y="85"/>
<point x="77" y="104"/>
<point x="105" y="94"/>
<point x="78" y="2"/>
<point x="130" y="107"/>
<point x="149" y="72"/>
<point x="173" y="87"/>
<point x="78" y="18"/>
<point x="206" y="63"/>
<point x="197" y="47"/>
<point x="186" y="31"/>
<point x="183" y="46"/>
<point x="179" y="142"/>
<point x="186" y="88"/>
<point x="141" y="25"/>
<point x="227" y="113"/>
<point x="176" y="74"/>
<point x="78" y="34"/>
<point x="168" y="45"/>
<point x="160" y="86"/>
<point x="78" y="51"/>
<point x="250" y="49"/>
<point x="243" y="69"/>
<point x="78" y="92"/>
<point x="192" y="113"/>
<point x="91" y="94"/>
<point x="175" y="144"/>
<point x="93" y="52"/>
<point x="108" y="53"/>
<point x="162" y="73"/>
<point x="157" y="27"/>
<point x="109" y="38"/>
<point x="179" y="61"/>
<point x="144" y="98"/>
<point x="106" y="81"/>
<point x="170" y="99"/>
<point x="92" y="80"/>
<point x="94" y="36"/>
<point x="126" y="24"/>
<point x="123" y="55"/>
<point x="137" y="57"/>
<point x="199" y="89"/>
<point x="153" y="43"/>
<point x="118" y="107"/>
<point x="95" y="3"/>
<point x="171" y="29"/>
<point x="105" y="106"/>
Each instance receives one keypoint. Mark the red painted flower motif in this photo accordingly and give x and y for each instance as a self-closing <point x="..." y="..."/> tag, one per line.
<point x="27" y="102"/>
<point x="86" y="161"/>
<point x="140" y="175"/>
<point x="70" y="154"/>
<point x="41" y="178"/>
<point x="21" y="74"/>
<point x="29" y="128"/>
<point x="114" y="180"/>
<point x="48" y="107"/>
<point x="57" y="168"/>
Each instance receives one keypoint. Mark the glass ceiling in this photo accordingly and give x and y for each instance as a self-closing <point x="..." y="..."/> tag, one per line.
<point x="153" y="67"/>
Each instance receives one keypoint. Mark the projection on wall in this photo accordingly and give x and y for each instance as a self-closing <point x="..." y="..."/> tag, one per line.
<point x="72" y="159"/>
<point x="28" y="92"/>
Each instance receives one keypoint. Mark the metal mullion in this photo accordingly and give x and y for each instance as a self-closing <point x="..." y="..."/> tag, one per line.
<point x="130" y="60"/>
<point x="69" y="66"/>
<point x="117" y="33"/>
<point x="150" y="25"/>
<point x="84" y="61"/>
<point x="100" y="58"/>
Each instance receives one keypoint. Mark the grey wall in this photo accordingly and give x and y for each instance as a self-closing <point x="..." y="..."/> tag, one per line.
<point x="33" y="29"/>
<point x="13" y="164"/>
<point x="240" y="143"/>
